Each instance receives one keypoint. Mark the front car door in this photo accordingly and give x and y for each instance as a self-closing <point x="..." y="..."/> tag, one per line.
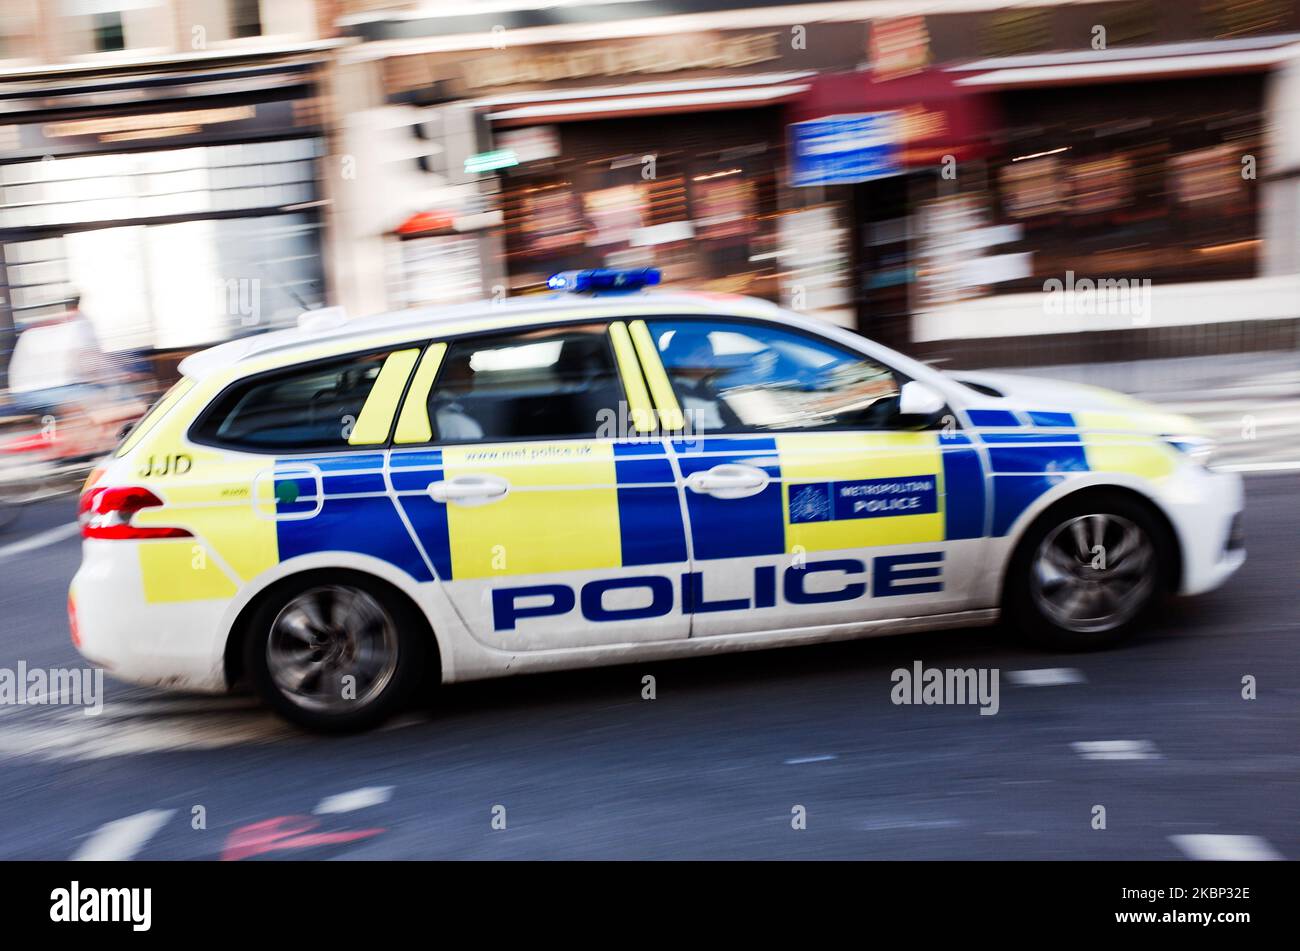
<point x="811" y="501"/>
<point x="548" y="526"/>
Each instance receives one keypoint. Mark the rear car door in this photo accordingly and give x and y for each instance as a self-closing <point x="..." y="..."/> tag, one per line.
<point x="289" y="464"/>
<point x="811" y="501"/>
<point x="519" y="463"/>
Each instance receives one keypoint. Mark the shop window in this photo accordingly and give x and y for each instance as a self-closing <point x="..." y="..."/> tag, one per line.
<point x="108" y="32"/>
<point x="245" y="18"/>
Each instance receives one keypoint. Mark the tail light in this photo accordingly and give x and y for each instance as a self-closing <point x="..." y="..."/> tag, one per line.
<point x="107" y="513"/>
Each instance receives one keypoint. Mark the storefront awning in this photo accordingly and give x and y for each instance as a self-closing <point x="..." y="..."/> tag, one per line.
<point x="936" y="116"/>
<point x="1125" y="64"/>
<point x="612" y="102"/>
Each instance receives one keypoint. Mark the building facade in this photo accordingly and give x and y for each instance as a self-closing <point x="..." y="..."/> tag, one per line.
<point x="162" y="161"/>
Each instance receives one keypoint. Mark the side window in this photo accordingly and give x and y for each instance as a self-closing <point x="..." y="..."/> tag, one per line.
<point x="309" y="408"/>
<point x="549" y="383"/>
<point x="743" y="377"/>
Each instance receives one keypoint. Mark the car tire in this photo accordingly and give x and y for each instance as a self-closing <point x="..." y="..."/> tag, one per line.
<point x="312" y="632"/>
<point x="1087" y="572"/>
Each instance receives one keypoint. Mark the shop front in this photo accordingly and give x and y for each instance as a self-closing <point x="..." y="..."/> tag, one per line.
<point x="905" y="158"/>
<point x="1132" y="189"/>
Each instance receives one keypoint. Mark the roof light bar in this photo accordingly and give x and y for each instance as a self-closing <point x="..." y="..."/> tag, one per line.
<point x="604" y="279"/>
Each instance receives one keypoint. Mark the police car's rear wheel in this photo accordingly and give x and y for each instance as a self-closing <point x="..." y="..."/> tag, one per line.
<point x="1086" y="572"/>
<point x="336" y="652"/>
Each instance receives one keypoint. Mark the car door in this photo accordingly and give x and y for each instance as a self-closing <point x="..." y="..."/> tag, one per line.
<point x="547" y="523"/>
<point x="811" y="501"/>
<point x="289" y="464"/>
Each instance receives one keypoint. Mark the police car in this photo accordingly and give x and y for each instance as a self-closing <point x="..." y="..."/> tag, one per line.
<point x="335" y="513"/>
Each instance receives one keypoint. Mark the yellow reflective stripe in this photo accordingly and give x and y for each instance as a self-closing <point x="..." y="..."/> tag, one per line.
<point x="561" y="513"/>
<point x="377" y="413"/>
<point x="413" y="425"/>
<point x="643" y="414"/>
<point x="181" y="570"/>
<point x="670" y="413"/>
<point x="161" y="408"/>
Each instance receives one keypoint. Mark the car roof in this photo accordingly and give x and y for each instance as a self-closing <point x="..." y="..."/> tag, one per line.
<point x="306" y="341"/>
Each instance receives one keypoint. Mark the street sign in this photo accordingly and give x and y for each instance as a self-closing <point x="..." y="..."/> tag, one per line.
<point x="488" y="161"/>
<point x="844" y="149"/>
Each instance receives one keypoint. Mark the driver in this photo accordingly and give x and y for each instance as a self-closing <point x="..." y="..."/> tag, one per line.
<point x="690" y="361"/>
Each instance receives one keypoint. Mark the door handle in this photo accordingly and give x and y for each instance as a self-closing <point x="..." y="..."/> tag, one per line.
<point x="469" y="490"/>
<point x="729" y="481"/>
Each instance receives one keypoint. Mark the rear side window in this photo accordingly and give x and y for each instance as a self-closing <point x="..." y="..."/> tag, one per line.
<point x="558" y="382"/>
<point x="310" y="407"/>
<point x="155" y="413"/>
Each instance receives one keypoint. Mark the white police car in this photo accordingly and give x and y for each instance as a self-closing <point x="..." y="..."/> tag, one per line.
<point x="333" y="513"/>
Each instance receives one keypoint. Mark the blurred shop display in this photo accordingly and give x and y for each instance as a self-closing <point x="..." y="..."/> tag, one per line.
<point x="815" y="264"/>
<point x="693" y="195"/>
<point x="436" y="270"/>
<point x="955" y="255"/>
<point x="614" y="214"/>
<point x="1149" y="183"/>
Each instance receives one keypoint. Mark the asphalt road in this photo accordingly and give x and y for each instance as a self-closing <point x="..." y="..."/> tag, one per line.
<point x="580" y="766"/>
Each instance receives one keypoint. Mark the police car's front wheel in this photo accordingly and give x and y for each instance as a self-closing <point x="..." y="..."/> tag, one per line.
<point x="1087" y="571"/>
<point x="335" y="651"/>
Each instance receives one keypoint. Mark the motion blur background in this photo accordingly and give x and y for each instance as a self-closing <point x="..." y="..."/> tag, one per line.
<point x="917" y="169"/>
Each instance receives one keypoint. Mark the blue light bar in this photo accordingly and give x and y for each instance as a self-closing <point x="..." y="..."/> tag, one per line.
<point x="604" y="279"/>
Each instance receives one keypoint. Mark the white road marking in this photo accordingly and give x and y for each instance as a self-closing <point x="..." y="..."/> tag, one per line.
<point x="121" y="839"/>
<point x="1047" y="677"/>
<point x="39" y="540"/>
<point x="1116" y="749"/>
<point x="356" y="799"/>
<point x="1226" y="848"/>
<point x="68" y="734"/>
<point x="886" y="823"/>
<point x="800" y="760"/>
<point x="1261" y="467"/>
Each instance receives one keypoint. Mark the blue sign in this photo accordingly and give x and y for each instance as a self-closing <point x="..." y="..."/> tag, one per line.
<point x="842" y="150"/>
<point x="863" y="498"/>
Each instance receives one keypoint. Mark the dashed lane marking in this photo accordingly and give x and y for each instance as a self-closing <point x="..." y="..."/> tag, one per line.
<point x="1116" y="749"/>
<point x="801" y="760"/>
<point x="1226" y="848"/>
<point x="121" y="839"/>
<point x="356" y="799"/>
<point x="1047" y="677"/>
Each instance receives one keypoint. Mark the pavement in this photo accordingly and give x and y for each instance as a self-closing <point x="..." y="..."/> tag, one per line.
<point x="1153" y="740"/>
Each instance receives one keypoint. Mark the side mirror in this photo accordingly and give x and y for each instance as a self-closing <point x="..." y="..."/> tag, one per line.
<point x="918" y="399"/>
